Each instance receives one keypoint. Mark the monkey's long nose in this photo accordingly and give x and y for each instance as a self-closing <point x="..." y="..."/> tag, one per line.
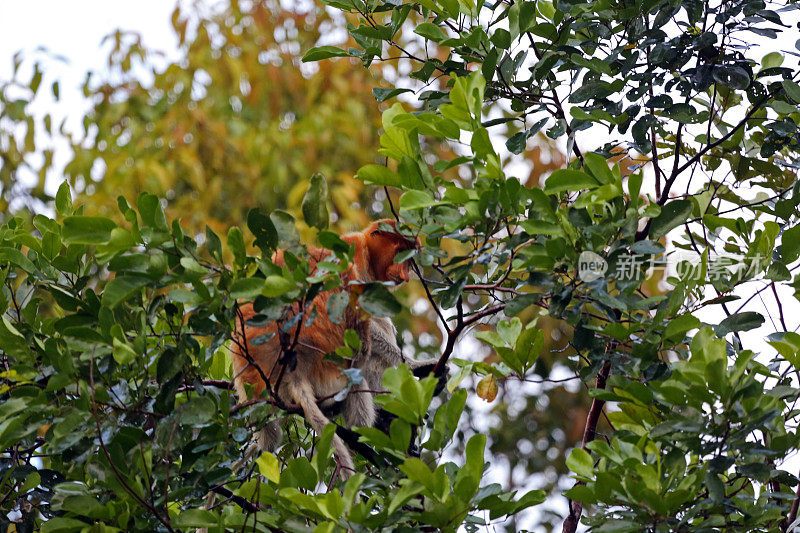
<point x="402" y="275"/>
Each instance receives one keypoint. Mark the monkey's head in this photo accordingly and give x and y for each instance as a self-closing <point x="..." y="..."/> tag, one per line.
<point x="384" y="242"/>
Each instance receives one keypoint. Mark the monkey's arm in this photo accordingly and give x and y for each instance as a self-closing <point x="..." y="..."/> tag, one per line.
<point x="386" y="353"/>
<point x="384" y="347"/>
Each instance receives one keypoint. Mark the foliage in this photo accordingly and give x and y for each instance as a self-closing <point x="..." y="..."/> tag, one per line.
<point x="118" y="409"/>
<point x="231" y="123"/>
<point x="24" y="164"/>
<point x="680" y="84"/>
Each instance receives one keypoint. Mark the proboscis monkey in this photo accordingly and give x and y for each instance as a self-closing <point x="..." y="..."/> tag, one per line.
<point x="304" y="379"/>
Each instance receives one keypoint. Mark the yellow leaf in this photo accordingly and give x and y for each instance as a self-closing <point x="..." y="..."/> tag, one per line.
<point x="269" y="467"/>
<point x="487" y="388"/>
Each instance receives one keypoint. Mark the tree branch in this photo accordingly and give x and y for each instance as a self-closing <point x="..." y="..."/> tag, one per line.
<point x="589" y="433"/>
<point x="144" y="503"/>
<point x="793" y="512"/>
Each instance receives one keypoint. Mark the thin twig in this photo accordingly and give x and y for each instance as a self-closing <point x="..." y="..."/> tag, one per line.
<point x="113" y="466"/>
<point x="780" y="306"/>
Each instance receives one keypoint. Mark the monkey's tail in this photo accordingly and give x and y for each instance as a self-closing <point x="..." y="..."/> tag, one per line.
<point x="303" y="394"/>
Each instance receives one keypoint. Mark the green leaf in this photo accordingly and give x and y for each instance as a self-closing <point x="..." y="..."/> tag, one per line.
<point x="732" y="76"/>
<point x="301" y="472"/>
<point x="418" y="471"/>
<point x="276" y="286"/>
<point x="677" y="327"/>
<point x="581" y="493"/>
<point x="474" y="455"/>
<point x="84" y="505"/>
<point x="790" y="245"/>
<point x="527" y="16"/>
<point x="381" y="94"/>
<point x="580" y="462"/>
<point x="16" y="257"/>
<point x="517" y="142"/>
<point x="739" y="322"/>
<point x="772" y="60"/>
<point x="64" y="200"/>
<point x="379" y="175"/>
<point x="402" y="496"/>
<point x="594" y="63"/>
<point x="151" y="211"/>
<point x="121" y="288"/>
<point x="491" y="338"/>
<point x="672" y="215"/>
<point x="87" y="230"/>
<point x="191" y="518"/>
<point x="409" y="398"/>
<point x="716" y="489"/>
<point x="324" y="52"/>
<point x="197" y="411"/>
<point x="417" y="200"/>
<point x="529" y="346"/>
<point x="541" y="227"/>
<point x="247" y="288"/>
<point x="32" y="481"/>
<point x="788" y="345"/>
<point x="263" y="230"/>
<point x="501" y="38"/>
<point x="123" y="352"/>
<point x="509" y="330"/>
<point x="284" y="224"/>
<point x="569" y="180"/>
<point x="531" y="498"/>
<point x="169" y="364"/>
<point x="62" y="525"/>
<point x="598" y="167"/>
<point x="521" y="302"/>
<point x="192" y="268"/>
<point x="315" y="210"/>
<point x="214" y="244"/>
<point x="481" y="144"/>
<point x="323" y="449"/>
<point x="332" y="241"/>
<point x="792" y="89"/>
<point x="237" y="246"/>
<point x="431" y="31"/>
<point x="378" y="301"/>
<point x="336" y="306"/>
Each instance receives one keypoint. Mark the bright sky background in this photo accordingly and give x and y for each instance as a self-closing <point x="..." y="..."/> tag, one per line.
<point x="74" y="30"/>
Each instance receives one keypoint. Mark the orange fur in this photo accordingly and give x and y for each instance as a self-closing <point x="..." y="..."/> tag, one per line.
<point x="375" y="250"/>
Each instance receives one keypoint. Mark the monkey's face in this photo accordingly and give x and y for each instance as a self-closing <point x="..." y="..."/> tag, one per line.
<point x="384" y="247"/>
<point x="397" y="272"/>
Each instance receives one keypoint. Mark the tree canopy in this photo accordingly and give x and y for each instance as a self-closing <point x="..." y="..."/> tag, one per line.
<point x="627" y="308"/>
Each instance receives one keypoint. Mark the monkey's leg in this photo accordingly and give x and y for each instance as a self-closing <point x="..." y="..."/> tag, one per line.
<point x="359" y="408"/>
<point x="303" y="394"/>
<point x="266" y="439"/>
<point x="386" y="353"/>
<point x="360" y="405"/>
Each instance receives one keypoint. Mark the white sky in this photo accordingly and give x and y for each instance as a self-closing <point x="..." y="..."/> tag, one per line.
<point x="74" y="30"/>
